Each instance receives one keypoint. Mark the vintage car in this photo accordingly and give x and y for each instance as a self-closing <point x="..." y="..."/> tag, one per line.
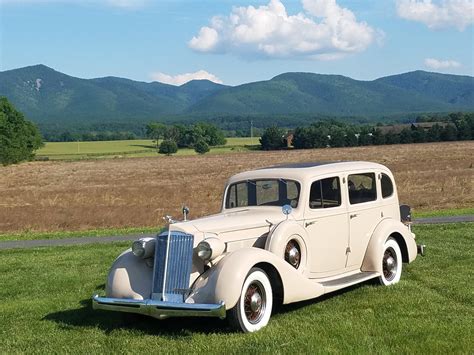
<point x="284" y="234"/>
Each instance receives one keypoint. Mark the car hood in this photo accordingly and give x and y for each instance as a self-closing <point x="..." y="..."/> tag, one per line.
<point x="232" y="221"/>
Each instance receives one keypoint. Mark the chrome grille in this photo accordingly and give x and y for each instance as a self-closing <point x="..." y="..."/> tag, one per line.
<point x="172" y="267"/>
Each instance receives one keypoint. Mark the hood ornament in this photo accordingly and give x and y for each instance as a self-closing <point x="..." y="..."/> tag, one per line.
<point x="185" y="213"/>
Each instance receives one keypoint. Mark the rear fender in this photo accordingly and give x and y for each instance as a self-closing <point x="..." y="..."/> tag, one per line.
<point x="224" y="280"/>
<point x="385" y="229"/>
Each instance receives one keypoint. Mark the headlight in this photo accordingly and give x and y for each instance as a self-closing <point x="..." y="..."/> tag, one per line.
<point x="144" y="247"/>
<point x="204" y="250"/>
<point x="210" y="248"/>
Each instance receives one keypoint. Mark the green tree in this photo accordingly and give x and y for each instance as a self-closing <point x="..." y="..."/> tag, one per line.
<point x="406" y="136"/>
<point x="378" y="138"/>
<point x="272" y="138"/>
<point x="168" y="147"/>
<point x="338" y="137"/>
<point x="19" y="138"/>
<point x="155" y="131"/>
<point x="201" y="147"/>
<point x="351" y="137"/>
<point x="449" y="133"/>
<point x="211" y="134"/>
<point x="392" y="138"/>
<point x="419" y="135"/>
<point x="434" y="133"/>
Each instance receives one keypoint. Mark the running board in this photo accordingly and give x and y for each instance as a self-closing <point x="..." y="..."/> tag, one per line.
<point x="337" y="284"/>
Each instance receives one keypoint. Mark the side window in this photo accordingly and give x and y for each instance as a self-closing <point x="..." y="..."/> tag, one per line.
<point x="387" y="186"/>
<point x="237" y="195"/>
<point x="362" y="188"/>
<point x="325" y="193"/>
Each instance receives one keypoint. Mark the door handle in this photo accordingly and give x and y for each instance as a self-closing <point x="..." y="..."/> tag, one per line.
<point x="307" y="224"/>
<point x="353" y="215"/>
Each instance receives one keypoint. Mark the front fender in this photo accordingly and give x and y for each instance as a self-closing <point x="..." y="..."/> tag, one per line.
<point x="129" y="277"/>
<point x="223" y="281"/>
<point x="282" y="234"/>
<point x="386" y="228"/>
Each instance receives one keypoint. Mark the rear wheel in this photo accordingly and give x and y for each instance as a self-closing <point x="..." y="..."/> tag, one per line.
<point x="254" y="307"/>
<point x="391" y="263"/>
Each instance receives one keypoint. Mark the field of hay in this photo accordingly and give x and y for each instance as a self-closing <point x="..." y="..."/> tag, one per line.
<point x="90" y="194"/>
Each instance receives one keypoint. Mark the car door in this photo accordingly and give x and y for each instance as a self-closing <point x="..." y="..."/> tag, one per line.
<point x="363" y="213"/>
<point x="327" y="226"/>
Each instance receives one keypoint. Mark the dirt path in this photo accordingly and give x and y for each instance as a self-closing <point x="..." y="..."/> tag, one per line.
<point x="16" y="244"/>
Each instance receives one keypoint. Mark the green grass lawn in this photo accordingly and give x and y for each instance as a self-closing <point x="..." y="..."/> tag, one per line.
<point x="46" y="308"/>
<point x="443" y="213"/>
<point x="129" y="148"/>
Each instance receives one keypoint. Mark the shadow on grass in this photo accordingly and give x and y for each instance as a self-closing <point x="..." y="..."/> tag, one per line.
<point x="144" y="146"/>
<point x="86" y="317"/>
<point x="107" y="321"/>
<point x="292" y="307"/>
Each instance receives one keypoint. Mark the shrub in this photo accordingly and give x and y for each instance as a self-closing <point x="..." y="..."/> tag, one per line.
<point x="201" y="147"/>
<point x="168" y="147"/>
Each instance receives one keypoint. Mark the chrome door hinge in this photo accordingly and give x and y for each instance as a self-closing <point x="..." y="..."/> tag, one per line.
<point x="348" y="250"/>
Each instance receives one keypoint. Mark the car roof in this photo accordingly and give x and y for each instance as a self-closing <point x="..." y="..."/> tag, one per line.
<point x="301" y="171"/>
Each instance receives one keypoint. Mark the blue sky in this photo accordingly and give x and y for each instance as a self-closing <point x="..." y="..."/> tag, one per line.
<point x="235" y="41"/>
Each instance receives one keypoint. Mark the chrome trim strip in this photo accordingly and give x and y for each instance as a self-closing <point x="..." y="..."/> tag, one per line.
<point x="166" y="263"/>
<point x="159" y="309"/>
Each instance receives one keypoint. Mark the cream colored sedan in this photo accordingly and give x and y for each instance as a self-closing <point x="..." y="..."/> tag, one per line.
<point x="284" y="234"/>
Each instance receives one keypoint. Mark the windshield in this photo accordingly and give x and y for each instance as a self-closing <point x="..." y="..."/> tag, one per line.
<point x="265" y="192"/>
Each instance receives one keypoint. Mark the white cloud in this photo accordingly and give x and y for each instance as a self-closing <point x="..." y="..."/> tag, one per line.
<point x="324" y="30"/>
<point x="181" y="79"/>
<point x="441" y="14"/>
<point x="441" y="64"/>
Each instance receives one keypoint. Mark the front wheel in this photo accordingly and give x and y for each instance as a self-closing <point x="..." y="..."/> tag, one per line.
<point x="391" y="263"/>
<point x="254" y="307"/>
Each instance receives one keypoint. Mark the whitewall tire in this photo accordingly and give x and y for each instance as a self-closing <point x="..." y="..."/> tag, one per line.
<point x="391" y="263"/>
<point x="254" y="307"/>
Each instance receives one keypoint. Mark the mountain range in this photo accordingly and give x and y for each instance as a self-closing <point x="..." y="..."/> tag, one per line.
<point x="48" y="96"/>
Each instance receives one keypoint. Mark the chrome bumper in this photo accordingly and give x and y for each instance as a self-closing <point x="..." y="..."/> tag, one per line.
<point x="159" y="309"/>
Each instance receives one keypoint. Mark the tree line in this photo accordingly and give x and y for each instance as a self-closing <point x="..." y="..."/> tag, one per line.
<point x="455" y="126"/>
<point x="200" y="137"/>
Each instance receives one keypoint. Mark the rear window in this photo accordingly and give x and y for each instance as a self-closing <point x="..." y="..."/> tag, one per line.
<point x="362" y="188"/>
<point x="387" y="186"/>
<point x="268" y="192"/>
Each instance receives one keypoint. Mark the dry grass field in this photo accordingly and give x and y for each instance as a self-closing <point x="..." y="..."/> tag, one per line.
<point x="79" y="195"/>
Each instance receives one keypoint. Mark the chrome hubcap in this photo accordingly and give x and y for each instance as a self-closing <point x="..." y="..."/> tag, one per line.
<point x="389" y="264"/>
<point x="255" y="302"/>
<point x="293" y="254"/>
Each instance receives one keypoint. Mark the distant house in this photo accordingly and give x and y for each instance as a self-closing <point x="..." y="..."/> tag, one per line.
<point x="427" y="125"/>
<point x="400" y="127"/>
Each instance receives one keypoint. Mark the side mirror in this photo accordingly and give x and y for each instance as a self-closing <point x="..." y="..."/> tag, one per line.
<point x="286" y="209"/>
